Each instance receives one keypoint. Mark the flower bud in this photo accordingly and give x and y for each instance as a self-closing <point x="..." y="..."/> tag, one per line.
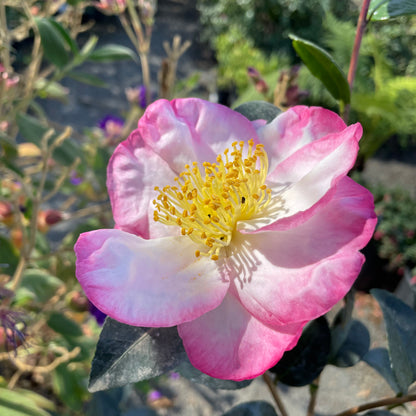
<point x="48" y="218"/>
<point x="78" y="302"/>
<point x="110" y="7"/>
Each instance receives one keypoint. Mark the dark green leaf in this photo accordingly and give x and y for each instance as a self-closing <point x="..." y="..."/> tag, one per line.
<point x="387" y="9"/>
<point x="37" y="285"/>
<point x="9" y="256"/>
<point x="354" y="345"/>
<point x="65" y="36"/>
<point x="303" y="364"/>
<point x="323" y="66"/>
<point x="187" y="370"/>
<point x="8" y="147"/>
<point x="88" y="79"/>
<point x="127" y="354"/>
<point x="105" y="403"/>
<point x="379" y="359"/>
<point x="109" y="53"/>
<point x="400" y="321"/>
<point x="61" y="324"/>
<point x="258" y="110"/>
<point x="256" y="408"/>
<point x="31" y="128"/>
<point x="53" y="42"/>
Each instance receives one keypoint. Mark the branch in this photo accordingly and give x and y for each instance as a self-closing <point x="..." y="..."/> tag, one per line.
<point x="273" y="392"/>
<point x="379" y="403"/>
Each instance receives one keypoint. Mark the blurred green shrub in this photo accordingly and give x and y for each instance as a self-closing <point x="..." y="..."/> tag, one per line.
<point x="235" y="52"/>
<point x="266" y="22"/>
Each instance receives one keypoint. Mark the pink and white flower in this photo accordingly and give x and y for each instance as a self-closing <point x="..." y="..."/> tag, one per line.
<point x="238" y="232"/>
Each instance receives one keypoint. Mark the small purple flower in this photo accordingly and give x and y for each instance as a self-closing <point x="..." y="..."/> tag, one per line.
<point x="75" y="179"/>
<point x="142" y="97"/>
<point x="97" y="314"/>
<point x="137" y="96"/>
<point x="174" y="376"/>
<point x="154" y="395"/>
<point x="112" y="127"/>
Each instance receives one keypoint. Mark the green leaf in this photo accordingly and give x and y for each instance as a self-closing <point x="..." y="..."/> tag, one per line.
<point x="127" y="354"/>
<point x="354" y="346"/>
<point x="53" y="42"/>
<point x="379" y="359"/>
<point x="323" y="66"/>
<point x="88" y="79"/>
<point x="9" y="256"/>
<point x="258" y="110"/>
<point x="106" y="403"/>
<point x="69" y="384"/>
<point x="61" y="324"/>
<point x="47" y="89"/>
<point x="109" y="53"/>
<point x="303" y="364"/>
<point x="89" y="47"/>
<point x="387" y="9"/>
<point x="400" y="321"/>
<point x="65" y="36"/>
<point x="37" y="285"/>
<point x="33" y="130"/>
<point x="187" y="370"/>
<point x="255" y="408"/>
<point x="8" y="146"/>
<point x="14" y="403"/>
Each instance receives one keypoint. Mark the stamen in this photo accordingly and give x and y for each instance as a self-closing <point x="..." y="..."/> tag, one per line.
<point x="208" y="204"/>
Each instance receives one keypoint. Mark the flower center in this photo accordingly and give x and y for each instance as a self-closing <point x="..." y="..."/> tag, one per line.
<point x="207" y="206"/>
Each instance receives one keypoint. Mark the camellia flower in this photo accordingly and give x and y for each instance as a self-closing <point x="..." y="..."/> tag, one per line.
<point x="238" y="232"/>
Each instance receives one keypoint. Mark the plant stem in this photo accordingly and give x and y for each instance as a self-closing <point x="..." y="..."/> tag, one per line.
<point x="275" y="395"/>
<point x="379" y="403"/>
<point x="361" y="25"/>
<point x="313" y="388"/>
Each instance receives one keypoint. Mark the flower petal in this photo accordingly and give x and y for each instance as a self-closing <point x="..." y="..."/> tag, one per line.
<point x="295" y="128"/>
<point x="190" y="129"/>
<point x="155" y="283"/>
<point x="308" y="177"/>
<point x="132" y="174"/>
<point x="228" y="343"/>
<point x="313" y="265"/>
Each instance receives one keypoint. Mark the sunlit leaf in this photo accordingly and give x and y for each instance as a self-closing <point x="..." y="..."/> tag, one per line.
<point x="323" y="66"/>
<point x="387" y="9"/>
<point x="14" y="403"/>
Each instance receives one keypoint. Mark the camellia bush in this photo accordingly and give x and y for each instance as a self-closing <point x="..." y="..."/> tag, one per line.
<point x="207" y="243"/>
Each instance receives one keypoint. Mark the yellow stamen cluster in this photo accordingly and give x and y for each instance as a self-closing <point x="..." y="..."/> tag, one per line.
<point x="208" y="206"/>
